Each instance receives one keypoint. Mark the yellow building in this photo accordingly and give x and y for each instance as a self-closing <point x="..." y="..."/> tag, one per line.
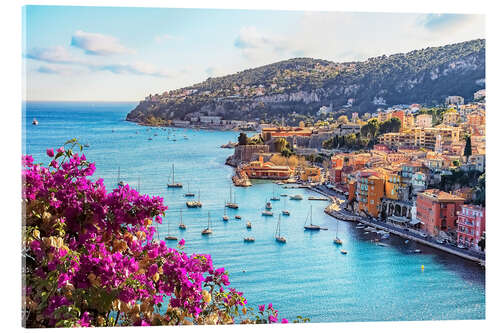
<point x="311" y="174"/>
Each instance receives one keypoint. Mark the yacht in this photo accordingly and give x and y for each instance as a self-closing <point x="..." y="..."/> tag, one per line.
<point x="310" y="226"/>
<point x="173" y="184"/>
<point x="296" y="197"/>
<point x="237" y="217"/>
<point x="169" y="236"/>
<point x="207" y="230"/>
<point x="277" y="233"/>
<point x="232" y="199"/>
<point x="225" y="218"/>
<point x="182" y="226"/>
<point x="267" y="213"/>
<point x="249" y="225"/>
<point x="194" y="204"/>
<point x="188" y="194"/>
<point x="249" y="239"/>
<point x="337" y="240"/>
<point x="34" y="122"/>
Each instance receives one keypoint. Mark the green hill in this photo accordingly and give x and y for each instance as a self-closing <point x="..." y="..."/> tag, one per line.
<point x="303" y="85"/>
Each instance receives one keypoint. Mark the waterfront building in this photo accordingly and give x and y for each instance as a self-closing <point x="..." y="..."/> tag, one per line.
<point x="180" y="123"/>
<point x="210" y="120"/>
<point x="424" y="120"/>
<point x="471" y="224"/>
<point x="266" y="170"/>
<point x="367" y="188"/>
<point x="272" y="132"/>
<point x="311" y="174"/>
<point x="436" y="210"/>
<point x="393" y="185"/>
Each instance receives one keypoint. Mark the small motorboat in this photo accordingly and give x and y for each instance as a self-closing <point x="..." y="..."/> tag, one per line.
<point x="237" y="217"/>
<point x="225" y="218"/>
<point x="268" y="205"/>
<point x="407" y="241"/>
<point x="249" y="225"/>
<point x="360" y="227"/>
<point x="170" y="238"/>
<point x="267" y="213"/>
<point x="337" y="241"/>
<point x="382" y="244"/>
<point x="417" y="251"/>
<point x="285" y="212"/>
<point x="283" y="194"/>
<point x="280" y="239"/>
<point x="296" y="197"/>
<point x="249" y="239"/>
<point x="343" y="251"/>
<point x="34" y="122"/>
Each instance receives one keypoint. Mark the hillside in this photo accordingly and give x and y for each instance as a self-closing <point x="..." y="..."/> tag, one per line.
<point x="303" y="85"/>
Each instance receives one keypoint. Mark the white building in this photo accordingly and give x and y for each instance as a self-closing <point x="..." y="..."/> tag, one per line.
<point x="424" y="120"/>
<point x="480" y="94"/>
<point x="212" y="120"/>
<point x="458" y="100"/>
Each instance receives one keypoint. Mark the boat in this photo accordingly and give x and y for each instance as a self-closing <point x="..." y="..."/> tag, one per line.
<point x="119" y="182"/>
<point x="285" y="211"/>
<point x="343" y="251"/>
<point x="283" y="194"/>
<point x="382" y="244"/>
<point x="407" y="241"/>
<point x="277" y="233"/>
<point x="150" y="139"/>
<point x="417" y="251"/>
<point x="237" y="217"/>
<point x="207" y="230"/>
<point x="360" y="224"/>
<point x="318" y="198"/>
<point x="249" y="239"/>
<point x="194" y="204"/>
<point x="267" y="213"/>
<point x="188" y="194"/>
<point x="173" y="184"/>
<point x="310" y="226"/>
<point x="169" y="236"/>
<point x="182" y="226"/>
<point x="225" y="218"/>
<point x="337" y="240"/>
<point x="385" y="236"/>
<point x="34" y="122"/>
<point x="360" y="227"/>
<point x="269" y="205"/>
<point x="249" y="225"/>
<point x="232" y="199"/>
<point x="274" y="197"/>
<point x="296" y="197"/>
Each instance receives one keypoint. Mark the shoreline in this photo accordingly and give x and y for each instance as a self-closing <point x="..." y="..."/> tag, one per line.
<point x="400" y="233"/>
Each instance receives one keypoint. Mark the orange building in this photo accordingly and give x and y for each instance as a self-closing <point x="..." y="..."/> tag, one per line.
<point x="260" y="170"/>
<point x="393" y="184"/>
<point x="369" y="192"/>
<point x="400" y="114"/>
<point x="311" y="174"/>
<point x="437" y="210"/>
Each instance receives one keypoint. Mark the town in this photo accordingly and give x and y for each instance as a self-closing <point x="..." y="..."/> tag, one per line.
<point x="416" y="170"/>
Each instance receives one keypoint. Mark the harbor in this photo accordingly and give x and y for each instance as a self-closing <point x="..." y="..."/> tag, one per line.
<point x="312" y="263"/>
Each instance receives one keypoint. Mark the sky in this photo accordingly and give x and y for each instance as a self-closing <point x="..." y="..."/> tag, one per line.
<point x="75" y="53"/>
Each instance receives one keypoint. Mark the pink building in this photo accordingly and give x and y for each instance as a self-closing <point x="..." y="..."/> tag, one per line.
<point x="470" y="225"/>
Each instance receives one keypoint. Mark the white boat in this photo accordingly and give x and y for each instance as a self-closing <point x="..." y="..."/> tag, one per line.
<point x="232" y="200"/>
<point x="173" y="184"/>
<point x="225" y="218"/>
<point x="277" y="233"/>
<point x="274" y="197"/>
<point x="310" y="226"/>
<point x="343" y="251"/>
<point x="119" y="182"/>
<point x="188" y="194"/>
<point x="417" y="251"/>
<point x="249" y="239"/>
<point x="269" y="205"/>
<point x="34" y="122"/>
<point x="296" y="197"/>
<point x="194" y="204"/>
<point x="169" y="236"/>
<point x="267" y="213"/>
<point x="207" y="230"/>
<point x="285" y="211"/>
<point x="182" y="226"/>
<point x="337" y="240"/>
<point x="249" y="225"/>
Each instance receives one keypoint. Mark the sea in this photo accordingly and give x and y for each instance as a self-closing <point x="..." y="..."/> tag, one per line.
<point x="308" y="276"/>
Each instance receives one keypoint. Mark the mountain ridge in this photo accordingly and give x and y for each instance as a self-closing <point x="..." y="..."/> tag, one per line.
<point x="300" y="86"/>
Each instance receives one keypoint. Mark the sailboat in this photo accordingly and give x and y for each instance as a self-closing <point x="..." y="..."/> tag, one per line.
<point x="182" y="226"/>
<point x="207" y="230"/>
<point x="310" y="226"/>
<point x="274" y="197"/>
<point x="337" y="240"/>
<point x="194" y="204"/>
<point x="277" y="233"/>
<point x="119" y="182"/>
<point x="169" y="237"/>
<point x="188" y="194"/>
<point x="285" y="211"/>
<point x="173" y="183"/>
<point x="231" y="204"/>
<point x="225" y="218"/>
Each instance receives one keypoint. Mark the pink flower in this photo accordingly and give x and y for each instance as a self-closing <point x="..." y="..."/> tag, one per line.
<point x="270" y="306"/>
<point x="284" y="321"/>
<point x="262" y="307"/>
<point x="60" y="150"/>
<point x="182" y="242"/>
<point x="50" y="152"/>
<point x="273" y="319"/>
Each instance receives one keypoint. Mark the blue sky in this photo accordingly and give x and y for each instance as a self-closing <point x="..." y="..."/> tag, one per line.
<point x="124" y="54"/>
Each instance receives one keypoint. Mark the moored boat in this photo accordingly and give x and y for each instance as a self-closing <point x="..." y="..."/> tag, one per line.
<point x="277" y="233"/>
<point x="343" y="251"/>
<point x="249" y="225"/>
<point x="207" y="230"/>
<point x="34" y="122"/>
<point x="249" y="239"/>
<point x="194" y="204"/>
<point x="173" y="184"/>
<point x="182" y="226"/>
<point x="296" y="197"/>
<point x="267" y="213"/>
<point x="232" y="200"/>
<point x="237" y="217"/>
<point x="310" y="226"/>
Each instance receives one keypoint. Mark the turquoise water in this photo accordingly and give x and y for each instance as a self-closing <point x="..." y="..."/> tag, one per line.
<point x="308" y="275"/>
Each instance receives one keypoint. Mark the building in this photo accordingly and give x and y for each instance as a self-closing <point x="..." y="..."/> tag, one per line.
<point x="354" y="117"/>
<point x="369" y="193"/>
<point x="273" y="132"/>
<point x="260" y="170"/>
<point x="400" y="114"/>
<point x="457" y="100"/>
<point x="437" y="211"/>
<point x="424" y="120"/>
<point x="212" y="120"/>
<point x="451" y="117"/>
<point x="471" y="225"/>
<point x="311" y="174"/>
<point x="480" y="94"/>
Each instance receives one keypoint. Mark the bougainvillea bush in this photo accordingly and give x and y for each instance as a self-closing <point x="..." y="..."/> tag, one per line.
<point x="90" y="258"/>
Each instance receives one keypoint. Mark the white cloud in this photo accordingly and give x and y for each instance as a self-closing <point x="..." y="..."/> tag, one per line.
<point x="98" y="44"/>
<point x="57" y="54"/>
<point x="137" y="68"/>
<point x="60" y="69"/>
<point x="164" y="37"/>
<point x="356" y="36"/>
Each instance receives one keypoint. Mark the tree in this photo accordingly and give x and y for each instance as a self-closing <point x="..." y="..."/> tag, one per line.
<point x="370" y="128"/>
<point x="242" y="139"/>
<point x="390" y="126"/>
<point x="468" y="148"/>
